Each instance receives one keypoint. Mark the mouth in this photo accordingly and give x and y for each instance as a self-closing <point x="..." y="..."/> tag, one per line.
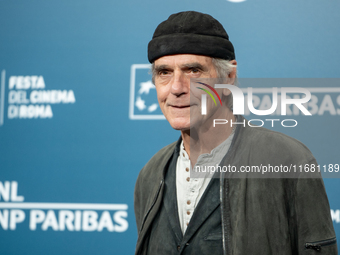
<point x="180" y="106"/>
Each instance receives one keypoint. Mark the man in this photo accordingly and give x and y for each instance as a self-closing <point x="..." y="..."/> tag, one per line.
<point x="177" y="213"/>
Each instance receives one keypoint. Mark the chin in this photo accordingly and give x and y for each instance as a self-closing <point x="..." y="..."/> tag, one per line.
<point x="180" y="125"/>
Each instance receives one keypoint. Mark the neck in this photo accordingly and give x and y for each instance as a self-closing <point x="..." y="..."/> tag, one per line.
<point x="206" y="137"/>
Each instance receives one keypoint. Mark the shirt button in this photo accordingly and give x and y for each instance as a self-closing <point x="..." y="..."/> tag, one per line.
<point x="188" y="202"/>
<point x="188" y="212"/>
<point x="183" y="154"/>
<point x="188" y="179"/>
<point x="178" y="247"/>
<point x="187" y="223"/>
<point x="187" y="169"/>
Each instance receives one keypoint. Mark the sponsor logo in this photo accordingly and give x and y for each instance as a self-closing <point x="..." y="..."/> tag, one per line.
<point x="335" y="214"/>
<point x="2" y="97"/>
<point x="143" y="96"/>
<point x="59" y="216"/>
<point x="236" y="1"/>
<point x="28" y="98"/>
<point x="323" y="101"/>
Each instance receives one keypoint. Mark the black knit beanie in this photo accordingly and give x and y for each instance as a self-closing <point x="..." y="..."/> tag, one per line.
<point x="190" y="33"/>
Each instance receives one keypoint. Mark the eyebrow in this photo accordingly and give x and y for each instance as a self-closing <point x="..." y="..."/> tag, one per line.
<point x="184" y="66"/>
<point x="194" y="65"/>
<point x="161" y="67"/>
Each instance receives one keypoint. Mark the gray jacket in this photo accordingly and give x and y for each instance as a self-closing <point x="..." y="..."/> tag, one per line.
<point x="259" y="216"/>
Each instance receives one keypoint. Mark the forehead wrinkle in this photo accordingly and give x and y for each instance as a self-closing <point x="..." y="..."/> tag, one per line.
<point x="195" y="64"/>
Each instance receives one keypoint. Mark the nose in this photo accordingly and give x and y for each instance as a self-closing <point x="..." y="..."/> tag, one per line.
<point x="180" y="84"/>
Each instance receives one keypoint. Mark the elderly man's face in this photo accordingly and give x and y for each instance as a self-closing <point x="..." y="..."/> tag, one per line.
<point x="172" y="80"/>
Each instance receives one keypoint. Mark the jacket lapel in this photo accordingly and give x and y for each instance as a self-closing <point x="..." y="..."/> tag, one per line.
<point x="153" y="199"/>
<point x="170" y="199"/>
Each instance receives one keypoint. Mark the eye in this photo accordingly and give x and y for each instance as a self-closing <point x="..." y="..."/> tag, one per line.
<point x="194" y="70"/>
<point x="163" y="72"/>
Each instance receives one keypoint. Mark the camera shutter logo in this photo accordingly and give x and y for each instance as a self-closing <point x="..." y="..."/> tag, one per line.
<point x="204" y="97"/>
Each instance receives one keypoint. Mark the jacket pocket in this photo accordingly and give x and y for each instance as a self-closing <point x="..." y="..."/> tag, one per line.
<point x="319" y="244"/>
<point x="213" y="236"/>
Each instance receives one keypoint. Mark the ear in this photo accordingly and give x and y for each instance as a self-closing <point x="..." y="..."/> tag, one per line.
<point x="232" y="74"/>
<point x="231" y="77"/>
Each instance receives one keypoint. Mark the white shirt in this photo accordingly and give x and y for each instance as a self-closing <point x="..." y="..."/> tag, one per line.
<point x="190" y="190"/>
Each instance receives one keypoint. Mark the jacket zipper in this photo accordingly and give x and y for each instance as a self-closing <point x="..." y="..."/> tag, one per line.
<point x="317" y="245"/>
<point x="153" y="203"/>
<point x="222" y="210"/>
<point x="224" y="192"/>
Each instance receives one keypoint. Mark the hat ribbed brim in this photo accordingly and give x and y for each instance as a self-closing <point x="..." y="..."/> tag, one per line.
<point x="181" y="43"/>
